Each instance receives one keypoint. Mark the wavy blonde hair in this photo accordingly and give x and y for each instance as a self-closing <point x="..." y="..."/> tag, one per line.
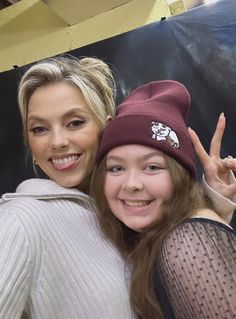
<point x="92" y="76"/>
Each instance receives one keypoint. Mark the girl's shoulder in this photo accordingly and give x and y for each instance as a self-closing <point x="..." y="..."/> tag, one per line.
<point x="202" y="226"/>
<point x="197" y="259"/>
<point x="197" y="237"/>
<point x="210" y="215"/>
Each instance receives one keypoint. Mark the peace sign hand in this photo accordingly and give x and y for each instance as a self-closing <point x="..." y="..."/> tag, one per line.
<point x="217" y="171"/>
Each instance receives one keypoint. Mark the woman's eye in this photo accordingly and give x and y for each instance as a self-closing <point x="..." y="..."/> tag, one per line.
<point x="38" y="130"/>
<point x="75" y="123"/>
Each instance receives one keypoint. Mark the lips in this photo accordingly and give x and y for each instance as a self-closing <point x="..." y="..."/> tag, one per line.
<point x="65" y="162"/>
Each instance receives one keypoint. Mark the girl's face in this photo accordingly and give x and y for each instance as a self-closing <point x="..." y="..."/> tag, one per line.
<point x="137" y="184"/>
<point x="63" y="133"/>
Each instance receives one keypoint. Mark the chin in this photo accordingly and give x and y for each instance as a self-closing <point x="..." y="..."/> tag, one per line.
<point x="70" y="180"/>
<point x="135" y="227"/>
<point x="138" y="227"/>
<point x="68" y="183"/>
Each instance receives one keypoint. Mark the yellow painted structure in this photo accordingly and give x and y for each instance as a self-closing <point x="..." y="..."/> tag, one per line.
<point x="31" y="30"/>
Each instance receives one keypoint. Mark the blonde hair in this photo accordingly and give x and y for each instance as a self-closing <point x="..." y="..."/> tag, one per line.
<point x="91" y="76"/>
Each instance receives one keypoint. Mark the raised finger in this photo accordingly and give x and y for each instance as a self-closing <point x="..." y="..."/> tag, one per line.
<point x="199" y="149"/>
<point x="215" y="145"/>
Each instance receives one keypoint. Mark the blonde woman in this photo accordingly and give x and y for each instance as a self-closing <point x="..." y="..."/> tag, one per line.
<point x="54" y="261"/>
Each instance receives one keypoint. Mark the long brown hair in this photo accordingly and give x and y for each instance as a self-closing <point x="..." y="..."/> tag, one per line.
<point x="142" y="249"/>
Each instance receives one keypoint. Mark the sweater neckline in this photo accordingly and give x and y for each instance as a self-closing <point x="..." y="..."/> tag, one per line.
<point x="44" y="189"/>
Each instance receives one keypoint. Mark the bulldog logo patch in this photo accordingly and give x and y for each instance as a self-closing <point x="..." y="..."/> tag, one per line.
<point x="161" y="132"/>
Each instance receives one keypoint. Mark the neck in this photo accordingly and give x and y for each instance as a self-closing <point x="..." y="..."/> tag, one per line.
<point x="84" y="186"/>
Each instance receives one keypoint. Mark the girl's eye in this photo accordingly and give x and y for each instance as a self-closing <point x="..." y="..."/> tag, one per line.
<point x="38" y="130"/>
<point x="114" y="169"/>
<point x="75" y="123"/>
<point x="153" y="168"/>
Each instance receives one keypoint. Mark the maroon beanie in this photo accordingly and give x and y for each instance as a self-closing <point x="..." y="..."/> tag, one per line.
<point x="153" y="115"/>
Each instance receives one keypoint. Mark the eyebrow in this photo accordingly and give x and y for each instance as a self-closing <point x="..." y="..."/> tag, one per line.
<point x="144" y="157"/>
<point x="71" y="112"/>
<point x="76" y="110"/>
<point x="152" y="154"/>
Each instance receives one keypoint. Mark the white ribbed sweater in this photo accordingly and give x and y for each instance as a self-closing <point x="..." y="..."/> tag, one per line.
<point x="54" y="261"/>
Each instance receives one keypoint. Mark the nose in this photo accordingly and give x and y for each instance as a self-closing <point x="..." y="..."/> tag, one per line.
<point x="59" y="140"/>
<point x="132" y="182"/>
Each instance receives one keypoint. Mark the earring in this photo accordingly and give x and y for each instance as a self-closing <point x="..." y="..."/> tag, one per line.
<point x="34" y="160"/>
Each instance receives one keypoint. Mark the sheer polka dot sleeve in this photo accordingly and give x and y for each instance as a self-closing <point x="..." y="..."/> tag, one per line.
<point x="196" y="271"/>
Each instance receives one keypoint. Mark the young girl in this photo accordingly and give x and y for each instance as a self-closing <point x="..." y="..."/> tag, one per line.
<point x="183" y="254"/>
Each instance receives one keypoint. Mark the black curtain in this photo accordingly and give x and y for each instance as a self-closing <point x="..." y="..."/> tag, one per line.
<point x="197" y="48"/>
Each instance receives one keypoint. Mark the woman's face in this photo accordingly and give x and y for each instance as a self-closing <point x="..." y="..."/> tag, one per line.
<point x="63" y="133"/>
<point x="137" y="184"/>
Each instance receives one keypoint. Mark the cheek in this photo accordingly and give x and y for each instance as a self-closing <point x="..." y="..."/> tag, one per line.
<point x="34" y="145"/>
<point x="88" y="142"/>
<point x="163" y="187"/>
<point x="92" y="141"/>
<point x="110" y="189"/>
<point x="107" y="188"/>
<point x="110" y="192"/>
<point x="168" y="188"/>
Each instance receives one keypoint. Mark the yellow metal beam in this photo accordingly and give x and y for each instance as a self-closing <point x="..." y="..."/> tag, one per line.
<point x="32" y="31"/>
<point x="75" y="11"/>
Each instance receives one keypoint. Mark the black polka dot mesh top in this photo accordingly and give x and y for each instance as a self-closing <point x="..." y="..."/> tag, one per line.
<point x="196" y="271"/>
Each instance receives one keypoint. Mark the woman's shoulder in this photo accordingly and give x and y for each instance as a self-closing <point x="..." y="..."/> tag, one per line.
<point x="44" y="189"/>
<point x="18" y="208"/>
<point x="36" y="198"/>
<point x="34" y="185"/>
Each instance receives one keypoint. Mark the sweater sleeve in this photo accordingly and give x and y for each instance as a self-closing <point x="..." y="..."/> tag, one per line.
<point x="223" y="206"/>
<point x="15" y="265"/>
<point x="196" y="271"/>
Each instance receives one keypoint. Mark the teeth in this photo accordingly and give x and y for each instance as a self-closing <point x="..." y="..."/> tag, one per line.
<point x="137" y="203"/>
<point x="65" y="160"/>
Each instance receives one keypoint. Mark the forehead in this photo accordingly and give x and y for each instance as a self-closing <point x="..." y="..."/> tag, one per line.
<point x="134" y="150"/>
<point x="57" y="97"/>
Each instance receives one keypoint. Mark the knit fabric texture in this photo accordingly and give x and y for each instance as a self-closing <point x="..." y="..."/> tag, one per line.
<point x="54" y="262"/>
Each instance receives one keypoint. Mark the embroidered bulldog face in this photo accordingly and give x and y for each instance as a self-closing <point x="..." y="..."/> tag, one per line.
<point x="161" y="132"/>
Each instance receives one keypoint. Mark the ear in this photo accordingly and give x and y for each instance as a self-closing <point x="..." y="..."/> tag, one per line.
<point x="108" y="119"/>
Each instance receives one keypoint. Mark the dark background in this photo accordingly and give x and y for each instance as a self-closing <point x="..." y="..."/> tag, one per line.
<point x="197" y="48"/>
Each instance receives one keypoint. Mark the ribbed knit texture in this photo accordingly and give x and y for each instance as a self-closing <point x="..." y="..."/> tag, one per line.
<point x="54" y="261"/>
<point x="224" y="206"/>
